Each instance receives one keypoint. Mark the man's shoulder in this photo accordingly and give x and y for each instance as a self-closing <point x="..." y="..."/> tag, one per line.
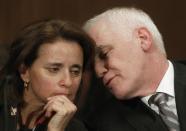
<point x="112" y="115"/>
<point x="115" y="110"/>
<point x="179" y="67"/>
<point x="128" y="114"/>
<point x="179" y="62"/>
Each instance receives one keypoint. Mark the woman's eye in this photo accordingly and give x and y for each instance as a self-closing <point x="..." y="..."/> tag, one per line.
<point x="53" y="69"/>
<point x="75" y="72"/>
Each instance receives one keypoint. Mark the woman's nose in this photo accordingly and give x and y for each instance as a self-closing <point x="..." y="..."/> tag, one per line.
<point x="66" y="80"/>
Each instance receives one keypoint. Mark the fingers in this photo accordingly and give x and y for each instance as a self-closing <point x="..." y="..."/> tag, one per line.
<point x="60" y="110"/>
<point x="60" y="105"/>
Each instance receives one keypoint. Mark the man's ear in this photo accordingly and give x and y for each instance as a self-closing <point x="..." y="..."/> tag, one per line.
<point x="145" y="38"/>
<point x="24" y="73"/>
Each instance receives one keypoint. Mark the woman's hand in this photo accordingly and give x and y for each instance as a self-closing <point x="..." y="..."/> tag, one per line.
<point x="59" y="110"/>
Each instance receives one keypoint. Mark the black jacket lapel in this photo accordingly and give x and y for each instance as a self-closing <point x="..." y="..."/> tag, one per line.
<point x="180" y="93"/>
<point x="143" y="118"/>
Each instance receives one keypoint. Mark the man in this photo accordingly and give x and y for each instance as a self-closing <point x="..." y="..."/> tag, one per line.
<point x="131" y="61"/>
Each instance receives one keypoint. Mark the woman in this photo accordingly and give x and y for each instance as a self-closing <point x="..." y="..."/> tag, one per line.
<point x="40" y="81"/>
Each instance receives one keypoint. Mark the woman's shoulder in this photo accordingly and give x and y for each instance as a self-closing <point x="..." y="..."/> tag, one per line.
<point x="76" y="125"/>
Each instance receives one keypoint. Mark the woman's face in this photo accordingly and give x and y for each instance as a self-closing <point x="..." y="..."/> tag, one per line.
<point x="56" y="71"/>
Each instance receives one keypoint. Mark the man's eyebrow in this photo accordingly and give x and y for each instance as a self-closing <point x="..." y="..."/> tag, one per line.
<point x="98" y="49"/>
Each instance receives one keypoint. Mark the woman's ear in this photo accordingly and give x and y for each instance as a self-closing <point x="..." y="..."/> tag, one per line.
<point x="24" y="73"/>
<point x="145" y="38"/>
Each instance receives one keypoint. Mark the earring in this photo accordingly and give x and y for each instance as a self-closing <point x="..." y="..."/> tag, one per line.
<point x="26" y="84"/>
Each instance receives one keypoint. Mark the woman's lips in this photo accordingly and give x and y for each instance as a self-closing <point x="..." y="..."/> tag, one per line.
<point x="63" y="93"/>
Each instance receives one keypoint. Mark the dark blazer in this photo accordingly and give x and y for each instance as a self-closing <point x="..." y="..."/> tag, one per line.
<point x="11" y="124"/>
<point x="134" y="115"/>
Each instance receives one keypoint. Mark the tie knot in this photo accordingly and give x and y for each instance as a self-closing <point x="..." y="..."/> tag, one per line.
<point x="158" y="99"/>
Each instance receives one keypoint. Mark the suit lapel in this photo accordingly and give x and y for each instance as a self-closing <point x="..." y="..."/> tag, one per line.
<point x="142" y="117"/>
<point x="180" y="93"/>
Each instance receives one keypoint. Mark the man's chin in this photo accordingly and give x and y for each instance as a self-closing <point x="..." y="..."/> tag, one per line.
<point x="119" y="95"/>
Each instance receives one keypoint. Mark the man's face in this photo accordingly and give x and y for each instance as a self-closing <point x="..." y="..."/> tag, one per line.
<point x="119" y="62"/>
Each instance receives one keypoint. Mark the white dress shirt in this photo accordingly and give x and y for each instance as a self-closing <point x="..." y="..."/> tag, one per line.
<point x="166" y="86"/>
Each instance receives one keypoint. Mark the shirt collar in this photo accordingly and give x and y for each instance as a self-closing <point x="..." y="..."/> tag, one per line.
<point x="166" y="85"/>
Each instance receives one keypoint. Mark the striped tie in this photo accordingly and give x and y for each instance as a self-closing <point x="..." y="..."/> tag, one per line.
<point x="170" y="119"/>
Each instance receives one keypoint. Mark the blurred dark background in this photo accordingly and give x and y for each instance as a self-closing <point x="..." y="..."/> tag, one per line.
<point x="169" y="16"/>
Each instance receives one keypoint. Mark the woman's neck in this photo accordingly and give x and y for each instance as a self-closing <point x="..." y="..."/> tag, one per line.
<point x="32" y="110"/>
<point x="30" y="113"/>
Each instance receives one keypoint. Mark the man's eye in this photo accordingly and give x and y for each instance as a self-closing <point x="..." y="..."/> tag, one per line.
<point x="103" y="55"/>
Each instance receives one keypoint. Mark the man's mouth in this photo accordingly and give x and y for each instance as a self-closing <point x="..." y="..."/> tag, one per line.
<point x="107" y="83"/>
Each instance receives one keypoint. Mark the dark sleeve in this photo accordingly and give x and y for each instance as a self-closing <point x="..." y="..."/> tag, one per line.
<point x="1" y="118"/>
<point x="76" y="125"/>
<point x="9" y="123"/>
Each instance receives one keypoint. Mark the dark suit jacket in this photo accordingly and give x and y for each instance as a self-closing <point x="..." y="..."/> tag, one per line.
<point x="134" y="115"/>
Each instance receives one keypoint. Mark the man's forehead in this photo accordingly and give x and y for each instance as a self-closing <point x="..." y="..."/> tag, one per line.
<point x="99" y="30"/>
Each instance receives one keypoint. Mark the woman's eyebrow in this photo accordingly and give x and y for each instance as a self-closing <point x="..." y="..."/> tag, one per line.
<point x="77" y="66"/>
<point x="54" y="64"/>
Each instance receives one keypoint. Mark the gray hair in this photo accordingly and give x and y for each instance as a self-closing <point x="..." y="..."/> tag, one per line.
<point x="128" y="19"/>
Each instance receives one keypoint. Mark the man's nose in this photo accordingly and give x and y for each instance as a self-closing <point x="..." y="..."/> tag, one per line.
<point x="100" y="68"/>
